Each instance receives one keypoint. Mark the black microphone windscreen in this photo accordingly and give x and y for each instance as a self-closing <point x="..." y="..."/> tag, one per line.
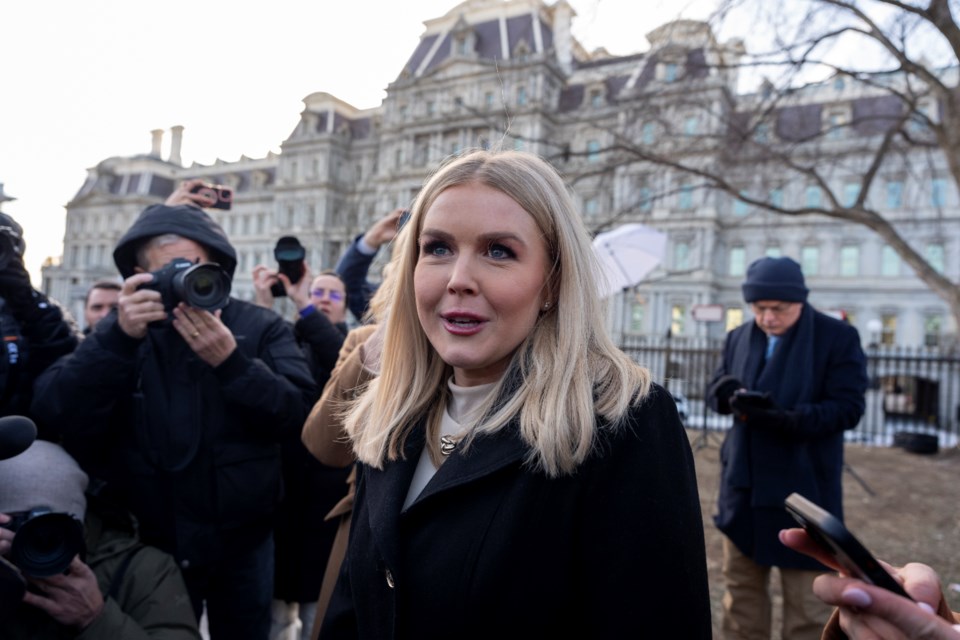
<point x="17" y="433"/>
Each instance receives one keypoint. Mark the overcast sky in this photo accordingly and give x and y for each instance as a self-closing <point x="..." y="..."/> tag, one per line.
<point x="84" y="81"/>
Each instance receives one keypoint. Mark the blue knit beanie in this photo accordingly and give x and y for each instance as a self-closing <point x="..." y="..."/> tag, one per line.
<point x="774" y="279"/>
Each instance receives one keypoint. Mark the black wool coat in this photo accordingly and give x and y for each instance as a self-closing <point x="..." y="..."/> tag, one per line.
<point x="493" y="548"/>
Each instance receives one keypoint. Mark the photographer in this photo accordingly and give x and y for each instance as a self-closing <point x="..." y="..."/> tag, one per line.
<point x="303" y="536"/>
<point x="181" y="410"/>
<point x="321" y="303"/>
<point x="118" y="588"/>
<point x="35" y="332"/>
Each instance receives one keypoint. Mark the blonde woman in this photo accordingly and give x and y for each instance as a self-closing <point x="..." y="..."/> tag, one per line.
<point x="519" y="474"/>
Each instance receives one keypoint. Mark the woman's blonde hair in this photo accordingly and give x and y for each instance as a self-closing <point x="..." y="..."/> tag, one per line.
<point x="564" y="374"/>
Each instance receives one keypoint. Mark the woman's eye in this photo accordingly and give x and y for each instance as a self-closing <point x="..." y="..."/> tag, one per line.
<point x="435" y="248"/>
<point x="500" y="252"/>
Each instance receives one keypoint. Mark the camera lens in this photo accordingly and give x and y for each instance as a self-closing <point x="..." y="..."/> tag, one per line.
<point x="203" y="286"/>
<point x="46" y="544"/>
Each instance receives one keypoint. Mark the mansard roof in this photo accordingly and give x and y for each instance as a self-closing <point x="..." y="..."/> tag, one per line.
<point x="488" y="40"/>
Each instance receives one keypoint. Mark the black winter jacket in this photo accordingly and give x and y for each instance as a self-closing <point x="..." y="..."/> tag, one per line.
<point x="30" y="345"/>
<point x="193" y="451"/>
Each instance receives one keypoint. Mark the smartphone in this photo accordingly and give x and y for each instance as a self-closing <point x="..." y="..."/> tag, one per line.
<point x="223" y="195"/>
<point x="833" y="537"/>
<point x="759" y="399"/>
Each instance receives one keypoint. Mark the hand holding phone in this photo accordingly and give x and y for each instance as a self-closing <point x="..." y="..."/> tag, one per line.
<point x="830" y="534"/>
<point x="222" y="196"/>
<point x="755" y="399"/>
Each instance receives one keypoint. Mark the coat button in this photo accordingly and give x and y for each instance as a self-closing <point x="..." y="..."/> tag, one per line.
<point x="389" y="578"/>
<point x="185" y="564"/>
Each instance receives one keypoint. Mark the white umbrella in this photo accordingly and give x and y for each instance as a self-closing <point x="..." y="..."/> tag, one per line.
<point x="627" y="254"/>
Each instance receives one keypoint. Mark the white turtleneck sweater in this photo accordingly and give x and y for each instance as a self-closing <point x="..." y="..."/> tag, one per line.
<point x="463" y="405"/>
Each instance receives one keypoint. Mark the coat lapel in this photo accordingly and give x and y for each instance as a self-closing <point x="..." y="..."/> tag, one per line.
<point x="385" y="492"/>
<point x="486" y="455"/>
<point x="387" y="488"/>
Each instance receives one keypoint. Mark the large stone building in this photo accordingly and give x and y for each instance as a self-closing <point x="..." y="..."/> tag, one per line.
<point x="511" y="74"/>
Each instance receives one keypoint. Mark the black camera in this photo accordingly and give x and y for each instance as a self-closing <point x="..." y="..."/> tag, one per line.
<point x="289" y="254"/>
<point x="46" y="541"/>
<point x="222" y="195"/>
<point x="203" y="286"/>
<point x="10" y="245"/>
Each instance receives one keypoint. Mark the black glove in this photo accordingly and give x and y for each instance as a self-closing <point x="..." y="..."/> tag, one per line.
<point x="722" y="390"/>
<point x="762" y="412"/>
<point x="15" y="288"/>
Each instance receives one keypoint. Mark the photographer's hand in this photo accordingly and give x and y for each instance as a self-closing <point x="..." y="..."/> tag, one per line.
<point x="182" y="195"/>
<point x="205" y="333"/>
<point x="383" y="231"/>
<point x="299" y="292"/>
<point x="263" y="279"/>
<point x="73" y="599"/>
<point x="137" y="308"/>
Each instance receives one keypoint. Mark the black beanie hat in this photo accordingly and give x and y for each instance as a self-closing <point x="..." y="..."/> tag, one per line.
<point x="774" y="279"/>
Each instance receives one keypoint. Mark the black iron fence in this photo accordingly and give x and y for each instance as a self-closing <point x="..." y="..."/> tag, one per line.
<point x="912" y="390"/>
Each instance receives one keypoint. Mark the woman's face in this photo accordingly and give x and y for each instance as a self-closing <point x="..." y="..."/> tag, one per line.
<point x="327" y="294"/>
<point x="480" y="280"/>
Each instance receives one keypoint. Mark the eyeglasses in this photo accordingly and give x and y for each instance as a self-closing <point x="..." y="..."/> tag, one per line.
<point x="775" y="309"/>
<point x="334" y="295"/>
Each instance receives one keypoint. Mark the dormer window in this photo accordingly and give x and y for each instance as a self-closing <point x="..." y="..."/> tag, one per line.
<point x="463" y="39"/>
<point x="835" y="121"/>
<point x="670" y="71"/>
<point x="923" y="115"/>
<point x="596" y="98"/>
<point x="521" y="51"/>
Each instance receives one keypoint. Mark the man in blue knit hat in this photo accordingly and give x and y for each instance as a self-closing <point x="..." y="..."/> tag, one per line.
<point x="794" y="380"/>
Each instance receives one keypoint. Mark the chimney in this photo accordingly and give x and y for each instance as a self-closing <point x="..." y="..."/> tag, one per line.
<point x="176" y="139"/>
<point x="157" y="135"/>
<point x="563" y="15"/>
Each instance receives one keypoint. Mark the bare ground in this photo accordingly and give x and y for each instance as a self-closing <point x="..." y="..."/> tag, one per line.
<point x="912" y="516"/>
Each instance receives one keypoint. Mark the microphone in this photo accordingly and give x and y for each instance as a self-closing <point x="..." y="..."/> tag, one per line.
<point x="17" y="433"/>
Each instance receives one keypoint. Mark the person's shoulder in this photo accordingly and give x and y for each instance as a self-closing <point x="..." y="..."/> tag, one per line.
<point x="826" y="322"/>
<point x="657" y="409"/>
<point x="734" y="333"/>
<point x="658" y="401"/>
